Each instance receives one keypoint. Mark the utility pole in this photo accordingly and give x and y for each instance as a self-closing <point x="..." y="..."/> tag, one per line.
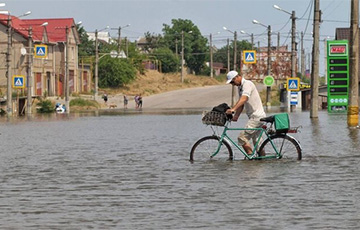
<point x="314" y="92"/>
<point x="119" y="40"/>
<point x="67" y="104"/>
<point x="353" y="109"/>
<point x="233" y="86"/>
<point x="252" y="41"/>
<point x="228" y="54"/>
<point x="302" y="55"/>
<point x="8" y="69"/>
<point x="211" y="58"/>
<point x="29" y="73"/>
<point x="235" y="49"/>
<point x="293" y="45"/>
<point x="182" y="56"/>
<point x="268" y="88"/>
<point x="97" y="64"/>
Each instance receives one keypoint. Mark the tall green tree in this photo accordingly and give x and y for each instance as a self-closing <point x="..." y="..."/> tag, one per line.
<point x="194" y="43"/>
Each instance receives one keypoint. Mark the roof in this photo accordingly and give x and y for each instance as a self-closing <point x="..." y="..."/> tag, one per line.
<point x="56" y="28"/>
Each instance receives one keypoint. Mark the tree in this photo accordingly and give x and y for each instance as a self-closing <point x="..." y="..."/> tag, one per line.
<point x="169" y="61"/>
<point x="194" y="43"/>
<point x="115" y="72"/>
<point x="152" y="42"/>
<point x="86" y="47"/>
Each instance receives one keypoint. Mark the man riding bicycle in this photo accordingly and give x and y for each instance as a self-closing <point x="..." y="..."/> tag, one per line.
<point x="249" y="99"/>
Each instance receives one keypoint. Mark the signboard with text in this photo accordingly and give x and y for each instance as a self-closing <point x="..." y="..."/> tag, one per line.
<point x="338" y="75"/>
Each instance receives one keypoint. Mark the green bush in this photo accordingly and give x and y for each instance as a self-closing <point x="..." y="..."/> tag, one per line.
<point x="46" y="106"/>
<point x="115" y="72"/>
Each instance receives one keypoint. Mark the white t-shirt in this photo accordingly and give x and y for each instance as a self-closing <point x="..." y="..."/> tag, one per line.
<point x="253" y="107"/>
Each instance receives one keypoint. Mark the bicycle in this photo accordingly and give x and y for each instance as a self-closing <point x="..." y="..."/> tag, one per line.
<point x="277" y="144"/>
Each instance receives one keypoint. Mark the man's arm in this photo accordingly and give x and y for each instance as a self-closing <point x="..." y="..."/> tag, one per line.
<point x="238" y="108"/>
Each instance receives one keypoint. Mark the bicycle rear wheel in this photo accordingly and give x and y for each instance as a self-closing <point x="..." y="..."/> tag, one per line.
<point x="204" y="148"/>
<point x="287" y="146"/>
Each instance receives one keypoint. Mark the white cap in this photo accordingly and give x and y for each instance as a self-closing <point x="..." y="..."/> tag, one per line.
<point x="231" y="75"/>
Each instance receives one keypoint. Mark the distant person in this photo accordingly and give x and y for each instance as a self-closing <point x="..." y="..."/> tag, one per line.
<point x="249" y="99"/>
<point x="126" y="100"/>
<point x="140" y="102"/>
<point x="105" y="97"/>
<point x="136" y="98"/>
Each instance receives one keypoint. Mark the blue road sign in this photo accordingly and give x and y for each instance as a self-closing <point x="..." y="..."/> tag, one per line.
<point x="293" y="84"/>
<point x="40" y="51"/>
<point x="249" y="56"/>
<point x="18" y="81"/>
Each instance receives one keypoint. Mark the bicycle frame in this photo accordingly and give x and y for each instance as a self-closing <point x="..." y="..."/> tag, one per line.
<point x="252" y="156"/>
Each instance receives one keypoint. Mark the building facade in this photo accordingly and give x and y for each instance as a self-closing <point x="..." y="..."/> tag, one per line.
<point x="61" y="38"/>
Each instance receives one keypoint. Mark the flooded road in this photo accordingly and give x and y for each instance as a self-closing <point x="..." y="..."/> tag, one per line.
<point x="116" y="171"/>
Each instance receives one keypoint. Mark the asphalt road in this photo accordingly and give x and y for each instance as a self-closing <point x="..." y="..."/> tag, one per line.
<point x="204" y="97"/>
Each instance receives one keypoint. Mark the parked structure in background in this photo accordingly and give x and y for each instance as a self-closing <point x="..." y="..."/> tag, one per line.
<point x="47" y="72"/>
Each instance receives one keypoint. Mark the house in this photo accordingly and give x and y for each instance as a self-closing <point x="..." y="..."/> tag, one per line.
<point x="48" y="72"/>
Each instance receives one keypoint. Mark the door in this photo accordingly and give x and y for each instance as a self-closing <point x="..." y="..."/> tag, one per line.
<point x="38" y="84"/>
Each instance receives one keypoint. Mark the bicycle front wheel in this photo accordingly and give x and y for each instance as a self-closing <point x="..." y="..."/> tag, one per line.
<point x="204" y="148"/>
<point x="287" y="147"/>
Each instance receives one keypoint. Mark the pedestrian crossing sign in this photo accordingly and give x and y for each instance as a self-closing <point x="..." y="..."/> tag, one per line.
<point x="40" y="51"/>
<point x="293" y="84"/>
<point x="18" y="81"/>
<point x="249" y="56"/>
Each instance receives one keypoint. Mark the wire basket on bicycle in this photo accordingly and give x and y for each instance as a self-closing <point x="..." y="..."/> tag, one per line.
<point x="217" y="115"/>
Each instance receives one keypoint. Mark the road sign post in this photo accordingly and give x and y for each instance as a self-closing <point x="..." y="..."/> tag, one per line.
<point x="338" y="72"/>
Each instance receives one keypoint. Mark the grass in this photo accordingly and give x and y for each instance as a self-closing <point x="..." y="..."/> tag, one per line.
<point x="83" y="103"/>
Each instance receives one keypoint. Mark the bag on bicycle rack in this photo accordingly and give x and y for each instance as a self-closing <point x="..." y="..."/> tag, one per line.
<point x="282" y="122"/>
<point x="217" y="116"/>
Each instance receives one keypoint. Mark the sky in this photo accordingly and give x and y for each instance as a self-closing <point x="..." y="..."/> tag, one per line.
<point x="210" y="16"/>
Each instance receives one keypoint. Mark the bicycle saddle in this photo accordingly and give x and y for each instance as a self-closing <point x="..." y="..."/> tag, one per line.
<point x="270" y="119"/>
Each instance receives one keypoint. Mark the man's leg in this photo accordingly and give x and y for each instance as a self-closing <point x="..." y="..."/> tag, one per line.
<point x="247" y="148"/>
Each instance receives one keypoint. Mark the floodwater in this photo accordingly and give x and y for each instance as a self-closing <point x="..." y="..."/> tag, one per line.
<point x="118" y="171"/>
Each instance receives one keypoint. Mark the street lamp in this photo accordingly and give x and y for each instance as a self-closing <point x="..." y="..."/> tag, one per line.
<point x="119" y="36"/>
<point x="252" y="37"/>
<point x="29" y="70"/>
<point x="268" y="88"/>
<point x="182" y="55"/>
<point x="97" y="61"/>
<point x="8" y="59"/>
<point x="293" y="44"/>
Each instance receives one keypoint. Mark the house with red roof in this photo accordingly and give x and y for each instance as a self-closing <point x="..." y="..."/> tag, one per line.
<point x="61" y="37"/>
